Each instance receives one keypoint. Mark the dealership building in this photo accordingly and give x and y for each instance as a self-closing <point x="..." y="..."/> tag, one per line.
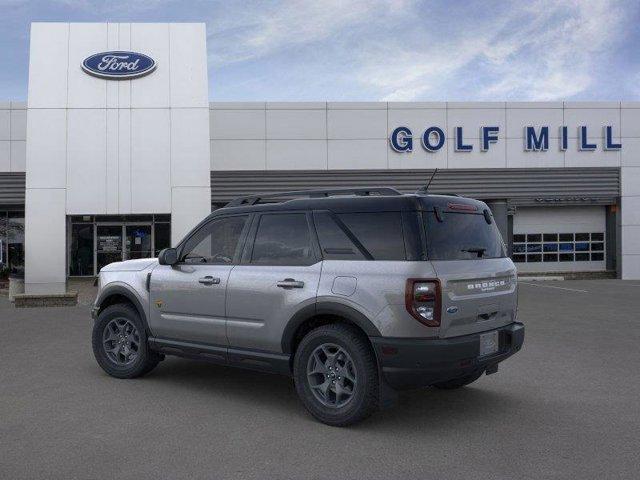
<point x="118" y="152"/>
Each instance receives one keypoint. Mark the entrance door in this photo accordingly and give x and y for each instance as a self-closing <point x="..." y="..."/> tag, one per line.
<point x="137" y="242"/>
<point x="108" y="245"/>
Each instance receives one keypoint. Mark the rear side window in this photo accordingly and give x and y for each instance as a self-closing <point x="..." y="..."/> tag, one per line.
<point x="334" y="242"/>
<point x="462" y="236"/>
<point x="283" y="239"/>
<point x="361" y="236"/>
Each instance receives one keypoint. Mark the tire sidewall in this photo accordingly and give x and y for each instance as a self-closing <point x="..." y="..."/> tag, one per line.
<point x="122" y="371"/>
<point x="352" y="410"/>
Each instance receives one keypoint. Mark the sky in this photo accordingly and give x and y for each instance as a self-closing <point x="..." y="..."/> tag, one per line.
<point x="377" y="50"/>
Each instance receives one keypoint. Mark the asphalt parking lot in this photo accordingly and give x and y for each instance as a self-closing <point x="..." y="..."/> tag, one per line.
<point x="567" y="406"/>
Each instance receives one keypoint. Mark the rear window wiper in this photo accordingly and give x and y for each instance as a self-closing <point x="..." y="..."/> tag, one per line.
<point x="478" y="250"/>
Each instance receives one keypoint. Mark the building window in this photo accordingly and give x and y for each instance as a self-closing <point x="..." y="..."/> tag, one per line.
<point x="558" y="247"/>
<point x="97" y="240"/>
<point x="11" y="243"/>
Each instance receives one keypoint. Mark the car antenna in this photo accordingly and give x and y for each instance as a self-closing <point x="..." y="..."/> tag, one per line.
<point x="425" y="189"/>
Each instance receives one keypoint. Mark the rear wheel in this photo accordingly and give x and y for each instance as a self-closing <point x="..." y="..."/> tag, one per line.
<point x="120" y="343"/>
<point x="336" y="375"/>
<point x="458" y="382"/>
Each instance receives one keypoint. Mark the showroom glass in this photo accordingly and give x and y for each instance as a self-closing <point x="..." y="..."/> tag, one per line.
<point x="558" y="247"/>
<point x="81" y="250"/>
<point x="4" y="266"/>
<point x="14" y="242"/>
<point x="109" y="245"/>
<point x="217" y="242"/>
<point x="162" y="237"/>
<point x="137" y="241"/>
<point x="462" y="236"/>
<point x="97" y="240"/>
<point x="283" y="239"/>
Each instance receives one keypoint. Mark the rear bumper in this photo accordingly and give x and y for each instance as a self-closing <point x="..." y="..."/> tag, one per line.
<point x="411" y="362"/>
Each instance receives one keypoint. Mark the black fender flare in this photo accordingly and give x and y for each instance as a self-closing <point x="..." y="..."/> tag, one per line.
<point x="112" y="290"/>
<point x="326" y="308"/>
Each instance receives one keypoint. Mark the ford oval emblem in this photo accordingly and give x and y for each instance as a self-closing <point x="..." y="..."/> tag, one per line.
<point x="452" y="309"/>
<point x="118" y="65"/>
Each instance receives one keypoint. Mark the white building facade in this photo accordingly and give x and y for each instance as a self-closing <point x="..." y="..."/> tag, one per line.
<point x="119" y="168"/>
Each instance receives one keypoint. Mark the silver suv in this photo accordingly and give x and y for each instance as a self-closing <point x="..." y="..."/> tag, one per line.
<point x="355" y="293"/>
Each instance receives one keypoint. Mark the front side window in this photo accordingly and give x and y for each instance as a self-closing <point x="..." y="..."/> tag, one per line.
<point x="283" y="239"/>
<point x="217" y="242"/>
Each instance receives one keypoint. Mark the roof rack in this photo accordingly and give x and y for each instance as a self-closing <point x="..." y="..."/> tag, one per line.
<point x="253" y="199"/>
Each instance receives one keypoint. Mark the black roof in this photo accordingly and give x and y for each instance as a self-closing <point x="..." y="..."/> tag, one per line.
<point x="352" y="203"/>
<point x="391" y="202"/>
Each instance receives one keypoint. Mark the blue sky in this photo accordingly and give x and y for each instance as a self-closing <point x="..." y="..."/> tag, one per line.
<point x="361" y="50"/>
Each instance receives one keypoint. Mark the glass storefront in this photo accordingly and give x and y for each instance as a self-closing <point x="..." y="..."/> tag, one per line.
<point x="97" y="240"/>
<point x="11" y="242"/>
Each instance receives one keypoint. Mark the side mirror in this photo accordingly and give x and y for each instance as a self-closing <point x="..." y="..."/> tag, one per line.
<point x="168" y="256"/>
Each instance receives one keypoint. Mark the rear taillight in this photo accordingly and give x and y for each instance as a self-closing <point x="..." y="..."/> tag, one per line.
<point x="422" y="299"/>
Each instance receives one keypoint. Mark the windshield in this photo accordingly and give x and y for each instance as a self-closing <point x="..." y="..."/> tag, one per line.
<point x="462" y="236"/>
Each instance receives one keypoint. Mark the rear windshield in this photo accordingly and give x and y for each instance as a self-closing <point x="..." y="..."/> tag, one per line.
<point x="462" y="236"/>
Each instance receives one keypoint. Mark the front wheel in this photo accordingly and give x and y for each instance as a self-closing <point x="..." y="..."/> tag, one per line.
<point x="336" y="375"/>
<point x="120" y="343"/>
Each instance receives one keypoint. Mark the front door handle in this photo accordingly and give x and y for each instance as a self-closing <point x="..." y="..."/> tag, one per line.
<point x="209" y="280"/>
<point x="290" y="283"/>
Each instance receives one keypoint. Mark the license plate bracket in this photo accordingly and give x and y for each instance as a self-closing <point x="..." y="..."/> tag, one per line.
<point x="489" y="343"/>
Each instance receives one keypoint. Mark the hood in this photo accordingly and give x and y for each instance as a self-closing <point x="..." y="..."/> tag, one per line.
<point x="130" y="265"/>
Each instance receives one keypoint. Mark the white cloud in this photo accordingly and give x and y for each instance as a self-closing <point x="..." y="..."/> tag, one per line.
<point x="247" y="33"/>
<point x="548" y="50"/>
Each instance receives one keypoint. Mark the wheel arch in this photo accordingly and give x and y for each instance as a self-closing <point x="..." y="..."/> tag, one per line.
<point x="117" y="294"/>
<point x="322" y="313"/>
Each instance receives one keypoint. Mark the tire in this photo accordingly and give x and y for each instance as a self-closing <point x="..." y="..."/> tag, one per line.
<point x="459" y="382"/>
<point x="353" y="367"/>
<point x="132" y="358"/>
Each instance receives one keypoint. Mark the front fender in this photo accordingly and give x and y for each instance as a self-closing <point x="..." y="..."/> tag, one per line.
<point x="122" y="289"/>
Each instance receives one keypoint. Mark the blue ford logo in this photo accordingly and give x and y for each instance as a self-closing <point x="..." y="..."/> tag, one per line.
<point x="118" y="65"/>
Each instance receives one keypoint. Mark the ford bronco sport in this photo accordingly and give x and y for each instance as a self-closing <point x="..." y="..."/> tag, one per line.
<point x="355" y="293"/>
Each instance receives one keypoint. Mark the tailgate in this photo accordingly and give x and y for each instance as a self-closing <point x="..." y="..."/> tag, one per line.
<point x="477" y="295"/>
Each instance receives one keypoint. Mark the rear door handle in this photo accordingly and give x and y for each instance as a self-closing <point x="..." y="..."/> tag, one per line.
<point x="290" y="283"/>
<point x="209" y="280"/>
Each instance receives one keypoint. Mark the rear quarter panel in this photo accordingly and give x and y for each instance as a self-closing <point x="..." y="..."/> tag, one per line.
<point x="379" y="292"/>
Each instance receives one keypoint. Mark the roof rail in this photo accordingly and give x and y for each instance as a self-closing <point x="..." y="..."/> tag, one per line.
<point x="253" y="199"/>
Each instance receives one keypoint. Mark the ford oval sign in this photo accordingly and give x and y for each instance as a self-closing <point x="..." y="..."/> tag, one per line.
<point x="118" y="65"/>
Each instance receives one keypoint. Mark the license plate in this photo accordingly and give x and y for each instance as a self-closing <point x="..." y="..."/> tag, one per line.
<point x="488" y="343"/>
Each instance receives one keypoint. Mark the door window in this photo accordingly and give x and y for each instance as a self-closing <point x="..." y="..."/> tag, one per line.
<point x="109" y="245"/>
<point x="283" y="239"/>
<point x="217" y="242"/>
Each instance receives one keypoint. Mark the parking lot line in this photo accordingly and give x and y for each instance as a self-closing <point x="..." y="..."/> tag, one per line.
<point x="558" y="288"/>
